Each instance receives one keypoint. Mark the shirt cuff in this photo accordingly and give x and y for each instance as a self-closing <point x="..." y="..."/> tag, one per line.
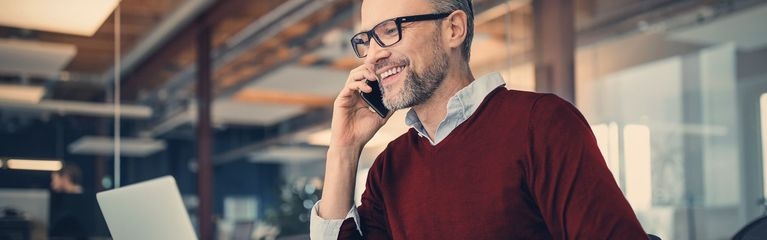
<point x="323" y="229"/>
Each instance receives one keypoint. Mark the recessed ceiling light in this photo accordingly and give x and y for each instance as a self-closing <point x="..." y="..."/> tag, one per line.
<point x="34" y="165"/>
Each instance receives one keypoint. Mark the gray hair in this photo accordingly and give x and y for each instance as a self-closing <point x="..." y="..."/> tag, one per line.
<point x="452" y="5"/>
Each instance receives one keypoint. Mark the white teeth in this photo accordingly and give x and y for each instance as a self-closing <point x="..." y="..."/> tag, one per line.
<point x="391" y="72"/>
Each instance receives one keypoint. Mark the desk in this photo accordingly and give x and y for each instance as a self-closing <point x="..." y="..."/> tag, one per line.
<point x="12" y="228"/>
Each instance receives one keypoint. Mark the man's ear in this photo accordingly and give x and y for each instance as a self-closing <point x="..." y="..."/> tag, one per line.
<point x="457" y="24"/>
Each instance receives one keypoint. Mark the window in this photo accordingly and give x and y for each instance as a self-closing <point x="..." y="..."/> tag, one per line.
<point x="607" y="140"/>
<point x="638" y="189"/>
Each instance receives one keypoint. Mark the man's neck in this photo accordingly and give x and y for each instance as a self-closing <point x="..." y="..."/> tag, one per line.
<point x="433" y="111"/>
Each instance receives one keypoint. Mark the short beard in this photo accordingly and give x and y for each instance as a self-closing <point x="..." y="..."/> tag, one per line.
<point x="417" y="87"/>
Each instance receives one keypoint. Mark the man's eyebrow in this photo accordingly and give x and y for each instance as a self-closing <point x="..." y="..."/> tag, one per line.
<point x="362" y="28"/>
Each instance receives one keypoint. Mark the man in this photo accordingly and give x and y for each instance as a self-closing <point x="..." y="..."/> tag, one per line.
<point x="67" y="179"/>
<point x="67" y="204"/>
<point x="480" y="161"/>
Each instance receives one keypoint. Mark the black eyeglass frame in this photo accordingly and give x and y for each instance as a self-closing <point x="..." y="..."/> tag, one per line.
<point x="398" y="21"/>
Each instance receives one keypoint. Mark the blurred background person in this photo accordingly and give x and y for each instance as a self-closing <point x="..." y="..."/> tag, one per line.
<point x="68" y="204"/>
<point x="68" y="179"/>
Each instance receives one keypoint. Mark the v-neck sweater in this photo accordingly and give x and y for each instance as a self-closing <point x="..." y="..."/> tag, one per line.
<point x="523" y="166"/>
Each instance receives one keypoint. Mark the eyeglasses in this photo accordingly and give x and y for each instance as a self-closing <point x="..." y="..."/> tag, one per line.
<point x="388" y="32"/>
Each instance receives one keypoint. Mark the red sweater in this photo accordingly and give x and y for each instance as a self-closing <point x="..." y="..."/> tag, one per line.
<point x="523" y="166"/>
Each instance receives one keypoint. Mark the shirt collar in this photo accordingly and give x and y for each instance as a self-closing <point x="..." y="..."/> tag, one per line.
<point x="459" y="107"/>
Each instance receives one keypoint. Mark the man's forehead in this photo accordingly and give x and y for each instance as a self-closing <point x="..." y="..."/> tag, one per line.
<point x="376" y="11"/>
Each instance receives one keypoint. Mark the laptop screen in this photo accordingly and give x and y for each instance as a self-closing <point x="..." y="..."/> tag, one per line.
<point x="148" y="210"/>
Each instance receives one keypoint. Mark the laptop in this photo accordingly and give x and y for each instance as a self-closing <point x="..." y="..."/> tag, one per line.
<point x="148" y="210"/>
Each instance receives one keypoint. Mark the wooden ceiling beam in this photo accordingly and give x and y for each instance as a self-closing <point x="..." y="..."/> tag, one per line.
<point x="290" y="51"/>
<point x="183" y="41"/>
<point x="251" y="95"/>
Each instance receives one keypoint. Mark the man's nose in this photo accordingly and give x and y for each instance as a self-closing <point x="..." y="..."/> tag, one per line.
<point x="376" y="53"/>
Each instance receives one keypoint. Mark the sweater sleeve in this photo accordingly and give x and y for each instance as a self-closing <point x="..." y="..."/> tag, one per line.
<point x="372" y="222"/>
<point x="327" y="229"/>
<point x="569" y="180"/>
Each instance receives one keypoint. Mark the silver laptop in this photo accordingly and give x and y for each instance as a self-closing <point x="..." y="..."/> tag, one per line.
<point x="148" y="210"/>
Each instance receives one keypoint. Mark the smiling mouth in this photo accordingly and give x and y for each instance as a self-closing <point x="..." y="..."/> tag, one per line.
<point x="390" y="72"/>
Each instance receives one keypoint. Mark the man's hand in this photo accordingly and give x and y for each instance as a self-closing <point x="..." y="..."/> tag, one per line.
<point x="353" y="125"/>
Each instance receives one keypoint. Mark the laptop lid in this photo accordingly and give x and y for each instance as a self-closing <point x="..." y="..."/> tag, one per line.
<point x="148" y="210"/>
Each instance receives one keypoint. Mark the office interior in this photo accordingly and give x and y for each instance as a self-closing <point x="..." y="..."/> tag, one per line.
<point x="233" y="98"/>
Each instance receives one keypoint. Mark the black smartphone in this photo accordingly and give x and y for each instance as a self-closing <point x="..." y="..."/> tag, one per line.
<point x="374" y="99"/>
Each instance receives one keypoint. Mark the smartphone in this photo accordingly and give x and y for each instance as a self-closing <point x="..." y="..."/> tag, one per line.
<point x="374" y="99"/>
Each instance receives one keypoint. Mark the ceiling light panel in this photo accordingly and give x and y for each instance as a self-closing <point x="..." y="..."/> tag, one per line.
<point x="21" y="93"/>
<point x="34" y="165"/>
<point x="34" y="57"/>
<point x="104" y="146"/>
<point x="78" y="17"/>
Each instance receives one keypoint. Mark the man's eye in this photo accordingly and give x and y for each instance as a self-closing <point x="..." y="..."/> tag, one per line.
<point x="390" y="31"/>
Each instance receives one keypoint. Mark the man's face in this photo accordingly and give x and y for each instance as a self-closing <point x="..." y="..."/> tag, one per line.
<point x="57" y="182"/>
<point x="411" y="70"/>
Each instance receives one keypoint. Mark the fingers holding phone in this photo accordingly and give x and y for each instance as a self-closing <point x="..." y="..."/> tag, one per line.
<point x="353" y="123"/>
<point x="347" y="98"/>
<point x="374" y="99"/>
<point x="370" y="92"/>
